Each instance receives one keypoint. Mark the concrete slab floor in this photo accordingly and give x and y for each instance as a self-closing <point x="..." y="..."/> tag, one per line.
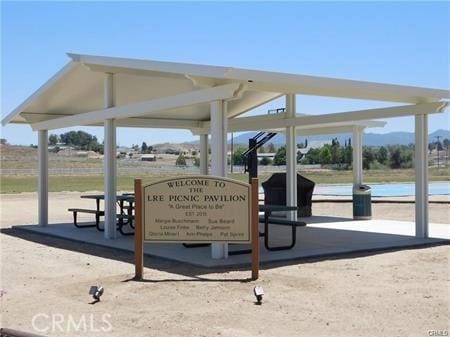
<point x="323" y="236"/>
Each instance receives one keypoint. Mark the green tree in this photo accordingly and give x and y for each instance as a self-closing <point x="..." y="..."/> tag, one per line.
<point x="237" y="156"/>
<point x="144" y="147"/>
<point x="181" y="160"/>
<point x="382" y="155"/>
<point x="347" y="156"/>
<point x="395" y="158"/>
<point x="196" y="161"/>
<point x="445" y="142"/>
<point x="325" y="155"/>
<point x="400" y="156"/>
<point x="81" y="140"/>
<point x="280" y="156"/>
<point x="312" y="156"/>
<point x="336" y="153"/>
<point x="53" y="139"/>
<point x="368" y="157"/>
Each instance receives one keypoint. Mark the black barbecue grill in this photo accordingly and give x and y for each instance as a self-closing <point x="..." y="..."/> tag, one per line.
<point x="275" y="192"/>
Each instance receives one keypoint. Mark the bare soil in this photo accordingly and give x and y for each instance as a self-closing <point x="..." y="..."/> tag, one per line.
<point x="395" y="293"/>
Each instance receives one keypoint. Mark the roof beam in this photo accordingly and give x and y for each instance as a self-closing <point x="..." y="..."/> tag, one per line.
<point x="133" y="122"/>
<point x="327" y="129"/>
<point x="253" y="99"/>
<point x="159" y="123"/>
<point x="273" y="122"/>
<point x="333" y="87"/>
<point x="144" y="108"/>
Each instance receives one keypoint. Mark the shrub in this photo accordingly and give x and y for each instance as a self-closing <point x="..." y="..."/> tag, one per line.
<point x="265" y="161"/>
<point x="280" y="156"/>
<point x="181" y="160"/>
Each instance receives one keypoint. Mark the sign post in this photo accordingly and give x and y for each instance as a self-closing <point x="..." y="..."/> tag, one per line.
<point x="255" y="229"/>
<point x="138" y="231"/>
<point x="196" y="209"/>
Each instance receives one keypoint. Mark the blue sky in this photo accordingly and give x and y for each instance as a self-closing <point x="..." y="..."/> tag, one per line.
<point x="404" y="43"/>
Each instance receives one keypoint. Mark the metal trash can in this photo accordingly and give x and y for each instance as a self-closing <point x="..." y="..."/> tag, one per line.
<point x="362" y="202"/>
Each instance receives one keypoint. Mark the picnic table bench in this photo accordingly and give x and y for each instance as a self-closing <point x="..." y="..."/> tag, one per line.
<point x="267" y="219"/>
<point x="125" y="217"/>
<point x="97" y="213"/>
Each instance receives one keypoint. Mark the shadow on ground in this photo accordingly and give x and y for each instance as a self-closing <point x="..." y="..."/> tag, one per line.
<point x="192" y="273"/>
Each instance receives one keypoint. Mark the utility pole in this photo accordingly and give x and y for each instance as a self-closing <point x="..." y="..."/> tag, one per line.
<point x="437" y="146"/>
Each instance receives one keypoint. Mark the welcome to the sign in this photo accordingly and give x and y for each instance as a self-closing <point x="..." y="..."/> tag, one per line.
<point x="199" y="209"/>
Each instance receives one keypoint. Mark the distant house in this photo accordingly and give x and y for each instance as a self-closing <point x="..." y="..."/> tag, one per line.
<point x="269" y="155"/>
<point x="148" y="157"/>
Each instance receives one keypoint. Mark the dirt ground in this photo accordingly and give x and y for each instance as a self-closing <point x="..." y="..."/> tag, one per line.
<point x="44" y="285"/>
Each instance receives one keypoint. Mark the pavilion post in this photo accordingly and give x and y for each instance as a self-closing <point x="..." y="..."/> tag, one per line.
<point x="109" y="162"/>
<point x="43" y="177"/>
<point x="204" y="154"/>
<point x="291" y="157"/>
<point x="421" y="170"/>
<point x="219" y="158"/>
<point x="357" y="141"/>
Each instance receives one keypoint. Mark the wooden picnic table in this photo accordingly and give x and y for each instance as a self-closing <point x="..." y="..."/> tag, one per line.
<point x="125" y="217"/>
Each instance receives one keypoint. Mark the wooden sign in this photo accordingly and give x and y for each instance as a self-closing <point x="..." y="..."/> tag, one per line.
<point x="197" y="209"/>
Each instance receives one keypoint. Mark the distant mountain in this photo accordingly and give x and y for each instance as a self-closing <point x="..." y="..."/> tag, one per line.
<point x="370" y="139"/>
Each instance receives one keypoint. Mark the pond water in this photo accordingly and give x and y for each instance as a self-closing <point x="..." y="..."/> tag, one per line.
<point x="385" y="190"/>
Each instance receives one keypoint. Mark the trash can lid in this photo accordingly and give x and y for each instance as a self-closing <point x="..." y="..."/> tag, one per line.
<point x="361" y="189"/>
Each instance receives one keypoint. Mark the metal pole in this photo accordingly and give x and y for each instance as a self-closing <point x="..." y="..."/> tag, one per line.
<point x="232" y="151"/>
<point x="291" y="158"/>
<point x="421" y="169"/>
<point x="110" y="163"/>
<point x="357" y="156"/>
<point x="204" y="154"/>
<point x="218" y="159"/>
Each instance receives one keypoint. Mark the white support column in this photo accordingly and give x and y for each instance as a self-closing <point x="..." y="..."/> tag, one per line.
<point x="291" y="157"/>
<point x="43" y="177"/>
<point x="357" y="140"/>
<point x="109" y="162"/>
<point x="203" y="154"/>
<point x="219" y="158"/>
<point x="421" y="168"/>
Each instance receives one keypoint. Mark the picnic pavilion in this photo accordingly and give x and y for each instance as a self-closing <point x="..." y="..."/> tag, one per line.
<point x="210" y="101"/>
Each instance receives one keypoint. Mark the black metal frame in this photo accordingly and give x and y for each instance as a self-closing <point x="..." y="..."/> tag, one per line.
<point x="97" y="220"/>
<point x="250" y="156"/>
<point x="120" y="223"/>
<point x="293" y="226"/>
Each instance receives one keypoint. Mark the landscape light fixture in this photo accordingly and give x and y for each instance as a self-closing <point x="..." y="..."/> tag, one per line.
<point x="96" y="292"/>
<point x="259" y="292"/>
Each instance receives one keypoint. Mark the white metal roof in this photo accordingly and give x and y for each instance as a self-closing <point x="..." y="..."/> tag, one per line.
<point x="166" y="94"/>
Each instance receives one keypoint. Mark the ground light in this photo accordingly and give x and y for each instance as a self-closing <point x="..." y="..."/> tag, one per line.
<point x="259" y="292"/>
